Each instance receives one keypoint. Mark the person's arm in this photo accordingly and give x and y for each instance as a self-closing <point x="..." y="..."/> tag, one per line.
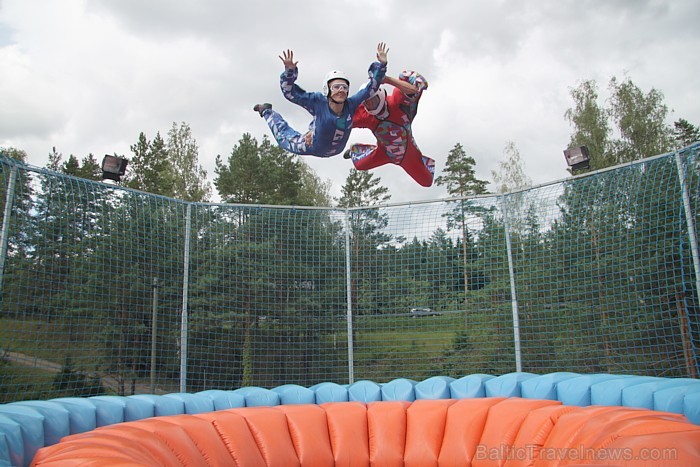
<point x="362" y="119"/>
<point x="404" y="86"/>
<point x="291" y="91"/>
<point x="377" y="75"/>
<point x="416" y="79"/>
<point x="410" y="84"/>
<point x="377" y="71"/>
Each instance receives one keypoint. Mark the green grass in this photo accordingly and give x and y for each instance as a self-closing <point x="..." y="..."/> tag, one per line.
<point x="22" y="383"/>
<point x="50" y="341"/>
<point x="385" y="347"/>
<point x="429" y="341"/>
<point x="389" y="347"/>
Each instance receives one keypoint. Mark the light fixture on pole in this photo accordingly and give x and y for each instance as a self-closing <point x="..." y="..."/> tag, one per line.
<point x="113" y="167"/>
<point x="577" y="158"/>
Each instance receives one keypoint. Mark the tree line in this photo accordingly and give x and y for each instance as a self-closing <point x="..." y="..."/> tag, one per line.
<point x="630" y="126"/>
<point x="66" y="234"/>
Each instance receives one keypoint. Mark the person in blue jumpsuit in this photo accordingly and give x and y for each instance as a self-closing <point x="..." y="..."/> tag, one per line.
<point x="332" y="110"/>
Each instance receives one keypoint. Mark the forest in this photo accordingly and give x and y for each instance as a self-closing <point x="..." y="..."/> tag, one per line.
<point x="147" y="286"/>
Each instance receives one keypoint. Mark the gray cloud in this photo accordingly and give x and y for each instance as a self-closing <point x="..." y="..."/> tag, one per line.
<point x="89" y="76"/>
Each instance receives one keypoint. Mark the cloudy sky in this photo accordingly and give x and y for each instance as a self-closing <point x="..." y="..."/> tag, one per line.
<point x="87" y="76"/>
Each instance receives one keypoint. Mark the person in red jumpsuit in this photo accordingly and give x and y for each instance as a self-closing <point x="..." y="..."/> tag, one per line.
<point x="389" y="116"/>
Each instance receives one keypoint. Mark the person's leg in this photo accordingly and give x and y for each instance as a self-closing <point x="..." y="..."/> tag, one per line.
<point x="368" y="156"/>
<point x="261" y="108"/>
<point x="287" y="137"/>
<point x="419" y="167"/>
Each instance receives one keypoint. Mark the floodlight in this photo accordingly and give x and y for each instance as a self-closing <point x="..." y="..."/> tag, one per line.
<point x="577" y="158"/>
<point x="113" y="167"/>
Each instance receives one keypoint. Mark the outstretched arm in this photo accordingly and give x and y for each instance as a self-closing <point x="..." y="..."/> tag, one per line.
<point x="290" y="90"/>
<point x="376" y="72"/>
<point x="404" y="86"/>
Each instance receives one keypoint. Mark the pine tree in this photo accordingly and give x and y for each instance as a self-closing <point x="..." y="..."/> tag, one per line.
<point x="265" y="174"/>
<point x="366" y="227"/>
<point x="461" y="181"/>
<point x="149" y="169"/>
<point x="684" y="133"/>
<point x="361" y="188"/>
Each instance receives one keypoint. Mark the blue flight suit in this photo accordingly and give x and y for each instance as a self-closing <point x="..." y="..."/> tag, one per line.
<point x="328" y="133"/>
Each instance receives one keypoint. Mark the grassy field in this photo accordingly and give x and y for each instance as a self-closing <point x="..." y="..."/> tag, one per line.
<point x="50" y="341"/>
<point x="388" y="347"/>
<point x="22" y="383"/>
<point x="385" y="346"/>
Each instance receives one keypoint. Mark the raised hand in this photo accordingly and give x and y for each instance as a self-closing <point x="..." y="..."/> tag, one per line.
<point x="382" y="51"/>
<point x="287" y="58"/>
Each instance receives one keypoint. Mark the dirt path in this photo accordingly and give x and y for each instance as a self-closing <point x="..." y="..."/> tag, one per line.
<point x="110" y="382"/>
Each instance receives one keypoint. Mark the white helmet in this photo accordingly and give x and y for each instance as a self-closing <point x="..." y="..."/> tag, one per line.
<point x="376" y="103"/>
<point x="330" y="76"/>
